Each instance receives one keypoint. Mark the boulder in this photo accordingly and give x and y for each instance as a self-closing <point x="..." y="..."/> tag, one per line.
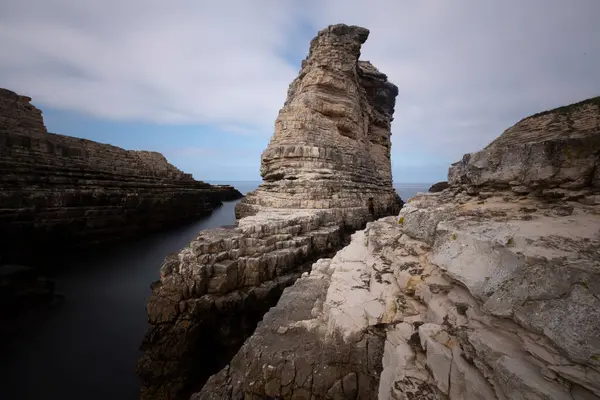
<point x="438" y="187"/>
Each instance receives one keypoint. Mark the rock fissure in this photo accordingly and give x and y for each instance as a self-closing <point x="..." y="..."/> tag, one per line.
<point x="61" y="193"/>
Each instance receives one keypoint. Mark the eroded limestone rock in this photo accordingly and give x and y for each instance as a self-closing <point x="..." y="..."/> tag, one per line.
<point x="326" y="173"/>
<point x="439" y="186"/>
<point x="331" y="146"/>
<point x="480" y="292"/>
<point x="546" y="153"/>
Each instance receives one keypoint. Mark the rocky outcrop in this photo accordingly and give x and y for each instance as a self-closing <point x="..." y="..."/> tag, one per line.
<point x="331" y="146"/>
<point x="439" y="186"/>
<point x="546" y="153"/>
<point x="465" y="295"/>
<point x="326" y="172"/>
<point x="61" y="192"/>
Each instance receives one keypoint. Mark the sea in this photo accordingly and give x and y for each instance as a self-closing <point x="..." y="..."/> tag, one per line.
<point x="87" y="347"/>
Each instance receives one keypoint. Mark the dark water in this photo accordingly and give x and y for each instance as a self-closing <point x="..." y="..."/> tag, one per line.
<point x="88" y="346"/>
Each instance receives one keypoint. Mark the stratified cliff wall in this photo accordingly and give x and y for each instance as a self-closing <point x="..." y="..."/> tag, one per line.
<point x="550" y="152"/>
<point x="60" y="192"/>
<point x="326" y="173"/>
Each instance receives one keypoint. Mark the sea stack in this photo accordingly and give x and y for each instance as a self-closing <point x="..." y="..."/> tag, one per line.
<point x="488" y="289"/>
<point x="58" y="193"/>
<point x="326" y="173"/>
<point x="331" y="146"/>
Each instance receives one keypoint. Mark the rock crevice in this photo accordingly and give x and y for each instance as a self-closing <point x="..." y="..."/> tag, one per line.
<point x="331" y="146"/>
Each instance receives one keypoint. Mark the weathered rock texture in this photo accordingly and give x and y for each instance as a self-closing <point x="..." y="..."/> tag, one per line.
<point x="464" y="295"/>
<point x="331" y="146"/>
<point x="326" y="173"/>
<point x="58" y="191"/>
<point x="556" y="149"/>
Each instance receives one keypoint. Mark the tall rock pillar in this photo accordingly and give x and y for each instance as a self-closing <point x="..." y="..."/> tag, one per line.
<point x="331" y="146"/>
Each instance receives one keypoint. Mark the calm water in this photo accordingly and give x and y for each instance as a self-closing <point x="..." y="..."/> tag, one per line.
<point x="87" y="347"/>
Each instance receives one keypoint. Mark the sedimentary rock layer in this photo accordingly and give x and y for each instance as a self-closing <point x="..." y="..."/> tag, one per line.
<point x="556" y="149"/>
<point x="331" y="146"/>
<point x="487" y="294"/>
<point x="326" y="173"/>
<point x="58" y="191"/>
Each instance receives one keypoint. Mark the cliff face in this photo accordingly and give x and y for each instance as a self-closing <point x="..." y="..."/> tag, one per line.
<point x="547" y="152"/>
<point x="478" y="291"/>
<point x="331" y="146"/>
<point x="61" y="192"/>
<point x="326" y="173"/>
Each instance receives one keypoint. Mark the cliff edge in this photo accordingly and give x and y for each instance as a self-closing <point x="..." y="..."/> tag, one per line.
<point x="59" y="192"/>
<point x="488" y="289"/>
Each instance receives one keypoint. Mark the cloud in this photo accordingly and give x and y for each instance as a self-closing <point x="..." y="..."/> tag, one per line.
<point x="469" y="69"/>
<point x="466" y="69"/>
<point x="173" y="62"/>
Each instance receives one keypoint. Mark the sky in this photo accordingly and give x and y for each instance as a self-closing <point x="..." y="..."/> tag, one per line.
<point x="202" y="81"/>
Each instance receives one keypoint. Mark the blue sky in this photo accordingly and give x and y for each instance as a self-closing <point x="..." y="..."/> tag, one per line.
<point x="202" y="82"/>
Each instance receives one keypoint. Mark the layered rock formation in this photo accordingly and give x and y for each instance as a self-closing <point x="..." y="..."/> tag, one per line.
<point x="58" y="191"/>
<point x="326" y="173"/>
<point x="331" y="146"/>
<point x="551" y="151"/>
<point x="474" y="292"/>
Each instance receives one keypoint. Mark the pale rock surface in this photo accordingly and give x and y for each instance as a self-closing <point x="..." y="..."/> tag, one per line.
<point x="462" y="296"/>
<point x="326" y="173"/>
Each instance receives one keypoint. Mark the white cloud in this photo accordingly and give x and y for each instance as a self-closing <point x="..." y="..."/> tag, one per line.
<point x="466" y="69"/>
<point x="178" y="61"/>
<point x="487" y="64"/>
